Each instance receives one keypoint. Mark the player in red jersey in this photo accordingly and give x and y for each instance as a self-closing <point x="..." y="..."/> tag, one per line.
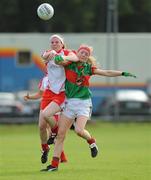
<point x="43" y="85"/>
<point x="54" y="95"/>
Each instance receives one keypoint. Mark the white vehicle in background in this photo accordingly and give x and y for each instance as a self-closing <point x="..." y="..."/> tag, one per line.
<point x="31" y="106"/>
<point x="10" y="106"/>
<point x="126" y="102"/>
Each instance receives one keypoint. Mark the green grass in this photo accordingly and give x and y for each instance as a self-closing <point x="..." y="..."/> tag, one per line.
<point x="125" y="153"/>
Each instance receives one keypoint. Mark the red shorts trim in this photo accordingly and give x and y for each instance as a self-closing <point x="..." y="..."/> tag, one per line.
<point x="49" y="96"/>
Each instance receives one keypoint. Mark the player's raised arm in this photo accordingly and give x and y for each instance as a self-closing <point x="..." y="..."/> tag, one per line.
<point x="35" y="96"/>
<point x="64" y="60"/>
<point x="112" y="73"/>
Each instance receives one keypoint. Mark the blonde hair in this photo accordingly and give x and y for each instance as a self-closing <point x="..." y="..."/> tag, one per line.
<point x="92" y="61"/>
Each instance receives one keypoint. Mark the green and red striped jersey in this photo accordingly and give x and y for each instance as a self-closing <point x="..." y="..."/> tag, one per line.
<point x="77" y="80"/>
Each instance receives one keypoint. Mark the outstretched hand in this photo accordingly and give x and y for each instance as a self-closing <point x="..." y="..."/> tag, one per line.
<point x="127" y="74"/>
<point x="26" y="97"/>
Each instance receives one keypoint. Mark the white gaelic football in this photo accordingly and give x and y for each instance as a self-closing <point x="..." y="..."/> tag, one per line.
<point x="45" y="11"/>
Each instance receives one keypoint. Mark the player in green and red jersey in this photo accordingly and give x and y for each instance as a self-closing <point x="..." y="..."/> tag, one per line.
<point x="78" y="103"/>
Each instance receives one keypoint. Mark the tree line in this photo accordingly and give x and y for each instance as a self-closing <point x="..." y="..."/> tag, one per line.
<point x="74" y="16"/>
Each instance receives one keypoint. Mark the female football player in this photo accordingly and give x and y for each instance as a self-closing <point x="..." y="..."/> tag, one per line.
<point x="78" y="103"/>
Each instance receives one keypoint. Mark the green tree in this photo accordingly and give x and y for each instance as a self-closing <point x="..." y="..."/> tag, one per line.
<point x="135" y="16"/>
<point x="74" y="16"/>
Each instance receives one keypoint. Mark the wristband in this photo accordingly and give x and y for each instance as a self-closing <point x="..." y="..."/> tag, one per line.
<point x="58" y="59"/>
<point x="127" y="74"/>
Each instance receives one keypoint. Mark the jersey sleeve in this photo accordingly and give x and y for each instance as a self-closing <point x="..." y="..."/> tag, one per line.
<point x="92" y="69"/>
<point x="40" y="85"/>
<point x="66" y="52"/>
<point x="43" y="84"/>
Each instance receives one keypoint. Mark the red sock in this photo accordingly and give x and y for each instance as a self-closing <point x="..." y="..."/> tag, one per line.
<point x="45" y="147"/>
<point x="54" y="129"/>
<point x="55" y="162"/>
<point x="56" y="117"/>
<point x="90" y="141"/>
<point x="63" y="157"/>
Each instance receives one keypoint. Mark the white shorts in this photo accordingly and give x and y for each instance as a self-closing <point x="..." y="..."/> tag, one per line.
<point x="76" y="107"/>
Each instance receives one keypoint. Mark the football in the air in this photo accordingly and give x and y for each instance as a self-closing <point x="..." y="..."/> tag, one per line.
<point x="45" y="11"/>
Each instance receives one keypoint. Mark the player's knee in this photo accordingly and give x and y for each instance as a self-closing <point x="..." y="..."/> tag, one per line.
<point x="61" y="135"/>
<point x="46" y="115"/>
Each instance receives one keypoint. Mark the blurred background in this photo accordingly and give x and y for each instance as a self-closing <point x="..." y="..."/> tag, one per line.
<point x="120" y="33"/>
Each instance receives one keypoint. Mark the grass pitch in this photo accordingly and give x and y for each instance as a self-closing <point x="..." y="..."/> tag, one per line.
<point x="125" y="153"/>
